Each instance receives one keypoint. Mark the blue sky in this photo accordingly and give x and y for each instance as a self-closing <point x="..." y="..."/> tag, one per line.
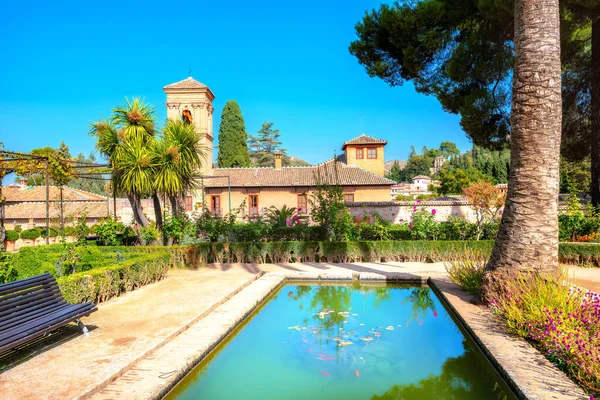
<point x="65" y="64"/>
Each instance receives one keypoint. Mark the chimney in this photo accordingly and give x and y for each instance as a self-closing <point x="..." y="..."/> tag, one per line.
<point x="278" y="160"/>
<point x="23" y="183"/>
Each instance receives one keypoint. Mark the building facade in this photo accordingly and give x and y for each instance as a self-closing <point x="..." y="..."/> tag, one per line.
<point x="359" y="170"/>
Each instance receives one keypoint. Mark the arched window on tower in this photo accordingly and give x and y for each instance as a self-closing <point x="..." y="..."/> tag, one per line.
<point x="186" y="116"/>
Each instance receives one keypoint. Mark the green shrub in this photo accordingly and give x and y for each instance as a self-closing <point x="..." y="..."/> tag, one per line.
<point x="31" y="234"/>
<point x="467" y="273"/>
<point x="107" y="232"/>
<point x="101" y="284"/>
<point x="250" y="232"/>
<point x="18" y="228"/>
<point x="8" y="272"/>
<point x="12" y="235"/>
<point x="51" y="232"/>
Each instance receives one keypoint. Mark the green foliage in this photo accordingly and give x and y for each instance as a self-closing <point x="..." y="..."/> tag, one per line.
<point x="179" y="226"/>
<point x="107" y="232"/>
<point x="395" y="173"/>
<point x="214" y="228"/>
<point x="96" y="186"/>
<point x="233" y="146"/>
<point x="423" y="225"/>
<point x="18" y="228"/>
<point x="12" y="235"/>
<point x="285" y="216"/>
<point x="8" y="272"/>
<point x="264" y="146"/>
<point x="327" y="207"/>
<point x="80" y="230"/>
<point x="52" y="232"/>
<point x="253" y="231"/>
<point x="416" y="165"/>
<point x="467" y="273"/>
<point x="149" y="235"/>
<point x="454" y="181"/>
<point x="33" y="233"/>
<point x="101" y="284"/>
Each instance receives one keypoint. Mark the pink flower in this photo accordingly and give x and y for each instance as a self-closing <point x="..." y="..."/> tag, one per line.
<point x="300" y="209"/>
<point x="415" y="209"/>
<point x="410" y="226"/>
<point x="435" y="313"/>
<point x="433" y="212"/>
<point x="288" y="222"/>
<point x="419" y="201"/>
<point x="500" y="212"/>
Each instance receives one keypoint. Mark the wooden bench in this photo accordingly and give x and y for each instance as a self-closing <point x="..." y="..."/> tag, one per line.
<point x="32" y="307"/>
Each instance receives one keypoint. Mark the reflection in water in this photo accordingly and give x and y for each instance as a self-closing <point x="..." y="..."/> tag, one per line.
<point x="351" y="342"/>
<point x="458" y="380"/>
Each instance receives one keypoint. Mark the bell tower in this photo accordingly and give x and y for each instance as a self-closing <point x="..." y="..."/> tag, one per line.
<point x="191" y="101"/>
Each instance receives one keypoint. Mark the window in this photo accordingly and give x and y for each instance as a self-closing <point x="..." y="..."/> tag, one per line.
<point x="215" y="206"/>
<point x="302" y="204"/>
<point x="371" y="153"/>
<point x="359" y="153"/>
<point x="253" y="205"/>
<point x="188" y="203"/>
<point x="349" y="198"/>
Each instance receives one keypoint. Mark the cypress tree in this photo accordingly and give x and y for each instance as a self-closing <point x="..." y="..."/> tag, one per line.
<point x="233" y="139"/>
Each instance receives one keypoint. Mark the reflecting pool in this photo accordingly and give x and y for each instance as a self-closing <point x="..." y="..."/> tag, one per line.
<point x="336" y="341"/>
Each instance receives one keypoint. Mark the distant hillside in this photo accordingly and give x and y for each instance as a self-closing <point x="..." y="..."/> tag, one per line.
<point x="296" y="162"/>
<point x="389" y="164"/>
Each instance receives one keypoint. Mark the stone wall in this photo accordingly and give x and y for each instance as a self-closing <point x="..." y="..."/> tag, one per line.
<point x="397" y="212"/>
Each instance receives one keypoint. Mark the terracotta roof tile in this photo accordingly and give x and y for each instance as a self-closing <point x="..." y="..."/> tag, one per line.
<point x="421" y="177"/>
<point x="38" y="193"/>
<point x="95" y="209"/>
<point x="348" y="175"/>
<point x="364" y="139"/>
<point x="187" y="83"/>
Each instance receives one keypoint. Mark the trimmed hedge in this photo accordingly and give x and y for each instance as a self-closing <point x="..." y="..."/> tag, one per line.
<point x="12" y="235"/>
<point x="101" y="284"/>
<point x="31" y="233"/>
<point x="366" y="251"/>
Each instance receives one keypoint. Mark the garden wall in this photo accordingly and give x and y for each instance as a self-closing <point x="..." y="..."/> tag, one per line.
<point x="397" y="212"/>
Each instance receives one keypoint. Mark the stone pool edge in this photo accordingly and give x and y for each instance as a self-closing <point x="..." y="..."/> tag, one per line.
<point x="156" y="375"/>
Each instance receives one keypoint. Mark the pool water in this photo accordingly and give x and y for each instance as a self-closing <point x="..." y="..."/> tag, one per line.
<point x="322" y="341"/>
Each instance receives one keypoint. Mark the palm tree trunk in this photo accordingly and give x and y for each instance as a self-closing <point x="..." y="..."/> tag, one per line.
<point x="157" y="211"/>
<point x="595" y="109"/>
<point x="528" y="234"/>
<point x="138" y="210"/>
<point x="174" y="205"/>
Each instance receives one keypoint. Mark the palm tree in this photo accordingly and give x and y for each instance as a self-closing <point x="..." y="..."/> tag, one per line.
<point x="178" y="156"/>
<point x="126" y="139"/>
<point x="528" y="234"/>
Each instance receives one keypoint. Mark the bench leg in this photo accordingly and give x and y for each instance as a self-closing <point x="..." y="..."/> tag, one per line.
<point x="83" y="328"/>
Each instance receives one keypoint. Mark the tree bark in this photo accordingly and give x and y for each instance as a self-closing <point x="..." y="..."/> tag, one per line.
<point x="528" y="234"/>
<point x="138" y="210"/>
<point x="157" y="211"/>
<point x="174" y="205"/>
<point x="595" y="110"/>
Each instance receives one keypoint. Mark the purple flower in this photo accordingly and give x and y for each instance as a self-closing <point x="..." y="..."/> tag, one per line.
<point x="500" y="212"/>
<point x="419" y="201"/>
<point x="288" y="222"/>
<point x="414" y="208"/>
<point x="410" y="226"/>
<point x="433" y="212"/>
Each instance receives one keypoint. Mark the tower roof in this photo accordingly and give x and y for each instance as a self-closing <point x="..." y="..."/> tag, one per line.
<point x="187" y="83"/>
<point x="364" y="139"/>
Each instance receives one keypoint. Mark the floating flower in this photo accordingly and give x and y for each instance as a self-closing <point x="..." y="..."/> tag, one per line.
<point x="435" y="313"/>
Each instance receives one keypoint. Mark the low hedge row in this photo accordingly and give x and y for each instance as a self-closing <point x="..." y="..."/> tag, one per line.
<point x="366" y="251"/>
<point x="101" y="284"/>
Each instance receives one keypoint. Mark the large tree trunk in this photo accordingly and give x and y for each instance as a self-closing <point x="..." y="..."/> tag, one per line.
<point x="157" y="211"/>
<point x="595" y="106"/>
<point x="138" y="210"/>
<point x="528" y="234"/>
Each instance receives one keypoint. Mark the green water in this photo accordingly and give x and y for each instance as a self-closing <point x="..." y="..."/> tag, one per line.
<point x="348" y="342"/>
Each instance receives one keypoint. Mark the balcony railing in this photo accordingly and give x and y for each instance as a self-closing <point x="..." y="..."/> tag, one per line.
<point x="216" y="212"/>
<point x="253" y="211"/>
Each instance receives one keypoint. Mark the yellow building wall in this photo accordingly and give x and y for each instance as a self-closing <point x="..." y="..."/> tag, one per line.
<point x="375" y="165"/>
<point x="279" y="197"/>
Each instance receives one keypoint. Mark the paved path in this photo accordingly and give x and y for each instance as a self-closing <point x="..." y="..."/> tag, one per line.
<point x="122" y="331"/>
<point x="128" y="328"/>
<point x="588" y="278"/>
